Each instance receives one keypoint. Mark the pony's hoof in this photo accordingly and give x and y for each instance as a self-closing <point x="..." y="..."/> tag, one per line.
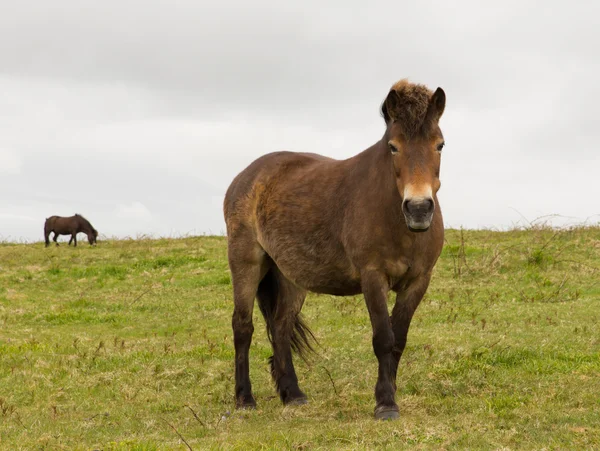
<point x="387" y="413"/>
<point x="245" y="403"/>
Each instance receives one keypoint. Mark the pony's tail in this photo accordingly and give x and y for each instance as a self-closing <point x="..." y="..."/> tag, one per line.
<point x="47" y="232"/>
<point x="272" y="290"/>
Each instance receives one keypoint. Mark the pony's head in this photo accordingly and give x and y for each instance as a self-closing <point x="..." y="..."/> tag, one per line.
<point x="92" y="237"/>
<point x="415" y="141"/>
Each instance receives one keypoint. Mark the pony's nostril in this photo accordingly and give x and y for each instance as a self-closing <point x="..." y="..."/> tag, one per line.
<point x="418" y="206"/>
<point x="428" y="203"/>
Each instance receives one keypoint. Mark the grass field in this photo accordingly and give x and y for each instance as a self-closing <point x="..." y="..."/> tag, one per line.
<point x="128" y="346"/>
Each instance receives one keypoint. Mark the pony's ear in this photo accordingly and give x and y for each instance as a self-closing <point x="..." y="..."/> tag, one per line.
<point x="389" y="106"/>
<point x="437" y="104"/>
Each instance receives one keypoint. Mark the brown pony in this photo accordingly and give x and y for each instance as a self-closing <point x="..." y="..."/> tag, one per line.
<point x="299" y="222"/>
<point x="71" y="225"/>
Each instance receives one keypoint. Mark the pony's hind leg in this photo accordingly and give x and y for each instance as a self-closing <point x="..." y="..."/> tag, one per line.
<point x="55" y="237"/>
<point x="280" y="302"/>
<point x="247" y="263"/>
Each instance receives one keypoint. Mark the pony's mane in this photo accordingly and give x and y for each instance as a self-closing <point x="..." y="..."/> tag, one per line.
<point x="408" y="107"/>
<point x="86" y="221"/>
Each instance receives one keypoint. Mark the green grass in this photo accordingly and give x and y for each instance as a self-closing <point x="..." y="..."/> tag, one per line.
<point x="128" y="346"/>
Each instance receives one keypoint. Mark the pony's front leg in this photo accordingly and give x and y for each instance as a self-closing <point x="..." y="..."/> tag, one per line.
<point x="375" y="288"/>
<point x="407" y="302"/>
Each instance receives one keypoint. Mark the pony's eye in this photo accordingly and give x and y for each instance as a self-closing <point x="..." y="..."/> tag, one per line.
<point x="440" y="147"/>
<point x="393" y="148"/>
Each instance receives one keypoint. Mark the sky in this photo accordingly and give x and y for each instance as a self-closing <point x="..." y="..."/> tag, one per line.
<point x="139" y="114"/>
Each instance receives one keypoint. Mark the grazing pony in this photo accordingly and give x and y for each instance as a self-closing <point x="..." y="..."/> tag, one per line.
<point x="371" y="224"/>
<point x="71" y="225"/>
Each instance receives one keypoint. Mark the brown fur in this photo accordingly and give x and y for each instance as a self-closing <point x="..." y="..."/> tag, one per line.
<point x="299" y="222"/>
<point x="71" y="225"/>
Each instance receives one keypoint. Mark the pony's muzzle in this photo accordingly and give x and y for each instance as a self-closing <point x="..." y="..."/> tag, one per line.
<point x="418" y="212"/>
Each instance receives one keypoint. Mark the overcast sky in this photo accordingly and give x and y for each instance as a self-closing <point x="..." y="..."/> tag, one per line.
<point x="138" y="114"/>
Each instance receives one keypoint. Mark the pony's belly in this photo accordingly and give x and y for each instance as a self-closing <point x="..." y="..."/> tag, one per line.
<point x="336" y="286"/>
<point x="339" y="290"/>
<point x="322" y="279"/>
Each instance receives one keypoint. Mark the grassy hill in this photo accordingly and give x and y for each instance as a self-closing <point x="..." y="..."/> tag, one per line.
<point x="128" y="346"/>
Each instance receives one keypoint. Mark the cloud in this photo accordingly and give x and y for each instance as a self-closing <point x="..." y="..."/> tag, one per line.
<point x="163" y="104"/>
<point x="135" y="211"/>
<point x="10" y="163"/>
<point x="14" y="217"/>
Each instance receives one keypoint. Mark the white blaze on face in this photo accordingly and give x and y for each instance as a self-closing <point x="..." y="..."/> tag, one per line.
<point x="417" y="192"/>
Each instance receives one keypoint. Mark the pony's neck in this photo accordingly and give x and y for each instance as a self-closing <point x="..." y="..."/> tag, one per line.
<point x="85" y="225"/>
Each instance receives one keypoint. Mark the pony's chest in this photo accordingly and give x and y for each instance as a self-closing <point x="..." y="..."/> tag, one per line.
<point x="396" y="269"/>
